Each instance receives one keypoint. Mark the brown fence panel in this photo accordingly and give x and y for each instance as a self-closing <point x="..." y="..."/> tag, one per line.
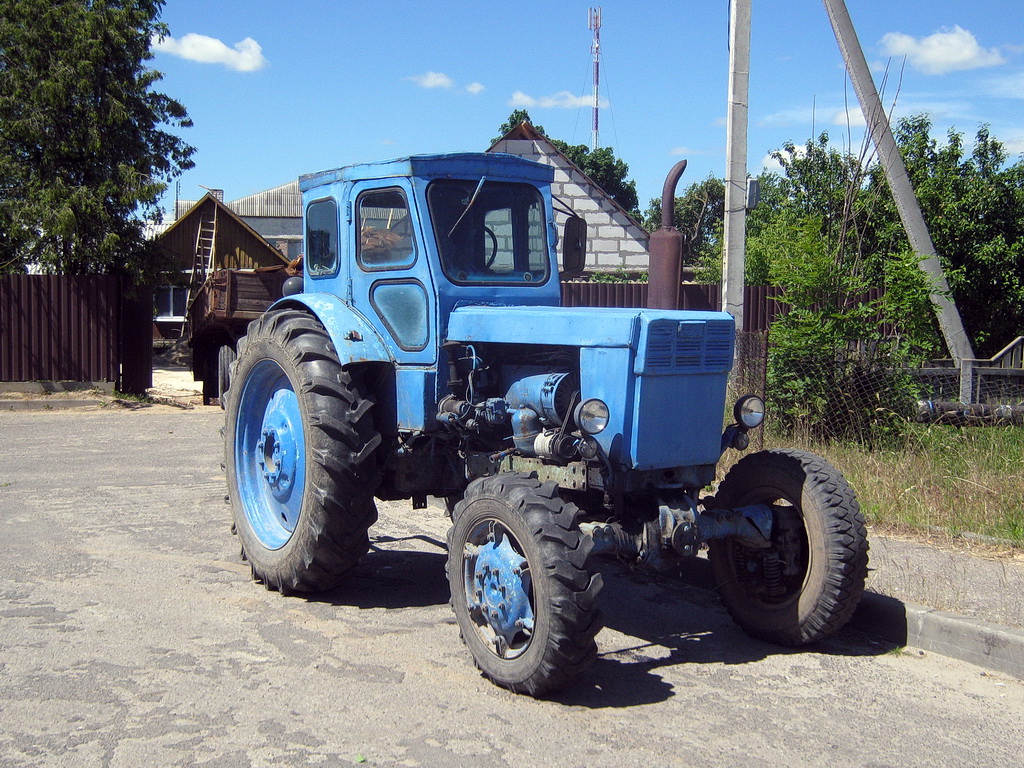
<point x="585" y="294"/>
<point x="69" y="327"/>
<point x="760" y="302"/>
<point x="136" y="340"/>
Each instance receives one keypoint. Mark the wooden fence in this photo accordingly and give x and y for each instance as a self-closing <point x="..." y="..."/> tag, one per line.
<point x="760" y="303"/>
<point x="76" y="328"/>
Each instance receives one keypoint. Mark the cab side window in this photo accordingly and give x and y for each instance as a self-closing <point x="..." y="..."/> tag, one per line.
<point x="385" y="230"/>
<point x="322" y="237"/>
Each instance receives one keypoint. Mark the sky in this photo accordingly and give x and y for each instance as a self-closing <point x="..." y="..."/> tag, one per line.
<point x="277" y="90"/>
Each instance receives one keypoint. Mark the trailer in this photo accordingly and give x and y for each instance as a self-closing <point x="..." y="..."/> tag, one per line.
<point x="219" y="313"/>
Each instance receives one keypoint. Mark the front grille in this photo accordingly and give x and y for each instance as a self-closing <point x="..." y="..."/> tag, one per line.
<point x="688" y="346"/>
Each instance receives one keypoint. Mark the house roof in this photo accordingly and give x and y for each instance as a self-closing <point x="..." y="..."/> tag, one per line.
<point x="284" y="201"/>
<point x="280" y="202"/>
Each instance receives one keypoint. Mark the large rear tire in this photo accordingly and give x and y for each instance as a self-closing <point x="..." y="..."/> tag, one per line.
<point x="807" y="584"/>
<point x="300" y="455"/>
<point x="523" y="595"/>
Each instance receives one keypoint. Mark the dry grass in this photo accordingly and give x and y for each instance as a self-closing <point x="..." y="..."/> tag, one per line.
<point x="940" y="479"/>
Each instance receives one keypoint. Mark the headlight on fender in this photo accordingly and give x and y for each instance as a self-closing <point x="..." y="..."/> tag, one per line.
<point x="749" y="411"/>
<point x="592" y="416"/>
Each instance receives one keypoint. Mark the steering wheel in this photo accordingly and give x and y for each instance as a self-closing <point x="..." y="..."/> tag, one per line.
<point x="494" y="247"/>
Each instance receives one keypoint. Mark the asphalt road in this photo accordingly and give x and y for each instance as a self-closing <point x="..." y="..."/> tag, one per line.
<point x="131" y="635"/>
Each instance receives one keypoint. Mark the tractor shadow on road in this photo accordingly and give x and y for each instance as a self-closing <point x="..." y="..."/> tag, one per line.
<point x="391" y="575"/>
<point x="654" y="622"/>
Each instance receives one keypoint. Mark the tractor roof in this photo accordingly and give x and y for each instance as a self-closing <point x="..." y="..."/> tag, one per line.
<point x="473" y="165"/>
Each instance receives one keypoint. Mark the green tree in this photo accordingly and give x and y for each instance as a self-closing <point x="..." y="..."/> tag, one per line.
<point x="973" y="203"/>
<point x="836" y="358"/>
<point x="517" y="117"/>
<point x="601" y="165"/>
<point x="84" y="154"/>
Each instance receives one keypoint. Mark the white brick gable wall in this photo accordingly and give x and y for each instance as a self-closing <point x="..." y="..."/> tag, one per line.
<point x="614" y="240"/>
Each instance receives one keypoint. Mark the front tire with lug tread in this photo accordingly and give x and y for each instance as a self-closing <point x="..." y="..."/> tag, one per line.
<point x="300" y="455"/>
<point x="522" y="592"/>
<point x="807" y="584"/>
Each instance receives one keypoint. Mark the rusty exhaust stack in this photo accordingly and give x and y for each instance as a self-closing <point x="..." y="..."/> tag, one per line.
<point x="666" y="247"/>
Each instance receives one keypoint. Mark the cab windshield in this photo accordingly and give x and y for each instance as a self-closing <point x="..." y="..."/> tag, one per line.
<point x="489" y="231"/>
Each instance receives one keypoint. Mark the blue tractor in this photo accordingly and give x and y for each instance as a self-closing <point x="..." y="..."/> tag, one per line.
<point x="424" y="352"/>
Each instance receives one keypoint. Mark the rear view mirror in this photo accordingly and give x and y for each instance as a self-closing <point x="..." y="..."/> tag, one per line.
<point x="574" y="246"/>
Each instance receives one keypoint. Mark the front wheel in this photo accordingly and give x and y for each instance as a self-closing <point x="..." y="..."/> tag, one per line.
<point x="808" y="582"/>
<point x="521" y="590"/>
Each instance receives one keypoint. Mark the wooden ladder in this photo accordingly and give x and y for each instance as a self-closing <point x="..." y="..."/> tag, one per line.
<point x="202" y="261"/>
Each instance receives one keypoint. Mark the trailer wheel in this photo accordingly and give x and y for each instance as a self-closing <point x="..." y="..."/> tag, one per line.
<point x="300" y="455"/>
<point x="807" y="584"/>
<point x="226" y="356"/>
<point x="208" y="366"/>
<point x="521" y="590"/>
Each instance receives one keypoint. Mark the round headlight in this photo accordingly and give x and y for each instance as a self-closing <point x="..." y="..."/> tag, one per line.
<point x="749" y="411"/>
<point x="592" y="416"/>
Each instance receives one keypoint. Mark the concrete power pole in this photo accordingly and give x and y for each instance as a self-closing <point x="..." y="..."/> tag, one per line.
<point x="957" y="342"/>
<point x="736" y="161"/>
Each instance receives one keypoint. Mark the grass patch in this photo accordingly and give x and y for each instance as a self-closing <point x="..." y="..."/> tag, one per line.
<point x="957" y="480"/>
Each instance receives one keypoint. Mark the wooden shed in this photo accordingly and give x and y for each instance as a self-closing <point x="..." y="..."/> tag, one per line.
<point x="208" y="237"/>
<point x="212" y="232"/>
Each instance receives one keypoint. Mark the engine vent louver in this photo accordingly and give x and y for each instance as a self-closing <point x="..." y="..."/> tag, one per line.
<point x="688" y="347"/>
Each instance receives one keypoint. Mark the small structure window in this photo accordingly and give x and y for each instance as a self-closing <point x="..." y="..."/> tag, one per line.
<point x="385" y="230"/>
<point x="171" y="302"/>
<point x="322" y="237"/>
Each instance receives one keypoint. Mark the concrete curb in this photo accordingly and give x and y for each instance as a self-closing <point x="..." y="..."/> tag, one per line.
<point x="994" y="647"/>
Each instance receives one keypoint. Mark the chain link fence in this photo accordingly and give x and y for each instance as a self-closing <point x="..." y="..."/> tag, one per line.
<point x="861" y="395"/>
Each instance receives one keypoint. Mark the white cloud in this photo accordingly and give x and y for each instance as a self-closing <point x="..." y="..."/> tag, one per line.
<point x="246" y="56"/>
<point x="475" y="88"/>
<point x="560" y="100"/>
<point x="769" y="163"/>
<point x="432" y="80"/>
<point x="1014" y="146"/>
<point x="948" y="50"/>
<point x="788" y="117"/>
<point x="688" y="151"/>
<point x="1008" y="86"/>
<point x="852" y="116"/>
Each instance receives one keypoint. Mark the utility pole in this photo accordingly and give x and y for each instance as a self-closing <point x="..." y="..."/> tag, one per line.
<point x="594" y="23"/>
<point x="736" y="161"/>
<point x="957" y="341"/>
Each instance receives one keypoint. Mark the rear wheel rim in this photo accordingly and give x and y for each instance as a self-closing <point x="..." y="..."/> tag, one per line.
<point x="269" y="454"/>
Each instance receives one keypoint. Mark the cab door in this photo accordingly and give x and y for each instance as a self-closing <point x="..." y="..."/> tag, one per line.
<point x="391" y="281"/>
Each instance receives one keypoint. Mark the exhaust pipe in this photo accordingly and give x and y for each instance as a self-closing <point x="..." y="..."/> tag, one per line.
<point x="666" y="248"/>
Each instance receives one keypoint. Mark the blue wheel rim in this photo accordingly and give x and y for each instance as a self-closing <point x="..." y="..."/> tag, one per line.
<point x="499" y="589"/>
<point x="270" y="462"/>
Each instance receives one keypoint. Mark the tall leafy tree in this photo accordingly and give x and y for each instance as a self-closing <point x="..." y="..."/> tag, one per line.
<point x="973" y="202"/>
<point x="601" y="165"/>
<point x="85" y="144"/>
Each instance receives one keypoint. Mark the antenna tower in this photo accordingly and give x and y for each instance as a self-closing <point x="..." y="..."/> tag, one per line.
<point x="594" y="23"/>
